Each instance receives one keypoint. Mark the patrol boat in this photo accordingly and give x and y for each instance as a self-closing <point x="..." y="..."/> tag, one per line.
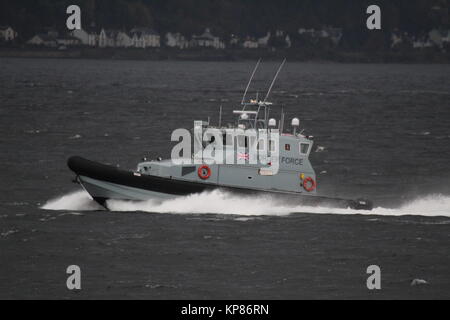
<point x="284" y="171"/>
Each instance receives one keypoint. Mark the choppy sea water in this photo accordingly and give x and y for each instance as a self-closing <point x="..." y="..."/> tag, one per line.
<point x="381" y="132"/>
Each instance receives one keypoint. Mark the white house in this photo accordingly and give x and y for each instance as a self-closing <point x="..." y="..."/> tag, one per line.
<point x="283" y="38"/>
<point x="331" y="33"/>
<point x="82" y="35"/>
<point x="53" y="39"/>
<point x="439" y="37"/>
<point x="93" y="40"/>
<point x="422" y="42"/>
<point x="176" y="40"/>
<point x="137" y="41"/>
<point x="207" y="40"/>
<point x="123" y="40"/>
<point x="435" y="36"/>
<point x="263" y="42"/>
<point x="67" y="40"/>
<point x="107" y="38"/>
<point x="446" y="38"/>
<point x="250" y="43"/>
<point x="43" y="39"/>
<point x="7" y="33"/>
<point x="93" y="34"/>
<point x="89" y="37"/>
<point x="306" y="31"/>
<point x="145" y="38"/>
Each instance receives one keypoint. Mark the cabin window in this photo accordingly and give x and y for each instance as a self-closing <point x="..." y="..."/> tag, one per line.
<point x="272" y="145"/>
<point x="304" y="148"/>
<point x="261" y="145"/>
<point x="227" y="139"/>
<point x="287" y="147"/>
<point x="243" y="141"/>
<point x="252" y="141"/>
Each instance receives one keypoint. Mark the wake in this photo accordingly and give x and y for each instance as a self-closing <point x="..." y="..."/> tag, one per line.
<point x="220" y="202"/>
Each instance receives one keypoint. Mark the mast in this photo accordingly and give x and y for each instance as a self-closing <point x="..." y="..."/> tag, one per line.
<point x="282" y="120"/>
<point x="250" y="81"/>
<point x="274" y="79"/>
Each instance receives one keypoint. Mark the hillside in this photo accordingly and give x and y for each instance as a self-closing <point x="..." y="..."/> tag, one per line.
<point x="225" y="17"/>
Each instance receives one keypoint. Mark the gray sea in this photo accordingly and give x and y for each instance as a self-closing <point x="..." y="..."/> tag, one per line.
<point x="381" y="132"/>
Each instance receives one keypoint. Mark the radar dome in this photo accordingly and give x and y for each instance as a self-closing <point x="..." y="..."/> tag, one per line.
<point x="272" y="122"/>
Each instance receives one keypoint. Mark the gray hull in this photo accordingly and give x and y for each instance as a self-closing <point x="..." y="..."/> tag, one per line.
<point x="104" y="182"/>
<point x="103" y="190"/>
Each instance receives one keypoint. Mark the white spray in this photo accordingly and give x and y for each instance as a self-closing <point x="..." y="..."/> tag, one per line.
<point x="220" y="202"/>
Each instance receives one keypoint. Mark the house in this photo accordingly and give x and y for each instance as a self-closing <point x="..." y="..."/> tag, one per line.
<point x="264" y="41"/>
<point x="250" y="43"/>
<point x="7" y="33"/>
<point x="401" y="39"/>
<point x="87" y="37"/>
<point x="93" y="38"/>
<point x="67" y="41"/>
<point x="123" y="40"/>
<point x="207" y="40"/>
<point x="281" y="40"/>
<point x="422" y="42"/>
<point x="107" y="38"/>
<point x="334" y="35"/>
<point x="93" y="34"/>
<point x="137" y="41"/>
<point x="82" y="35"/>
<point x="438" y="37"/>
<point x="446" y="38"/>
<point x="288" y="41"/>
<point x="145" y="38"/>
<point x="304" y="31"/>
<point x="176" y="40"/>
<point x="52" y="39"/>
<point x="43" y="39"/>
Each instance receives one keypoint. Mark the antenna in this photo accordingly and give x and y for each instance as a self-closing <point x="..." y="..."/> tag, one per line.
<point x="274" y="79"/>
<point x="250" y="81"/>
<point x="220" y="117"/>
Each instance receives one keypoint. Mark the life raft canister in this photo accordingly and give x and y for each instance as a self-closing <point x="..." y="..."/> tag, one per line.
<point x="309" y="184"/>
<point x="204" y="172"/>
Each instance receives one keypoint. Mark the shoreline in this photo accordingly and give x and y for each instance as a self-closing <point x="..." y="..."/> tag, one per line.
<point x="293" y="54"/>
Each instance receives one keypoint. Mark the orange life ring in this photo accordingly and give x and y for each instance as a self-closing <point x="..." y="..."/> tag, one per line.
<point x="204" y="172"/>
<point x="312" y="186"/>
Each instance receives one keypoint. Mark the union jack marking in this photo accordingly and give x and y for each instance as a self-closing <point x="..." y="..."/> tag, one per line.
<point x="244" y="156"/>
